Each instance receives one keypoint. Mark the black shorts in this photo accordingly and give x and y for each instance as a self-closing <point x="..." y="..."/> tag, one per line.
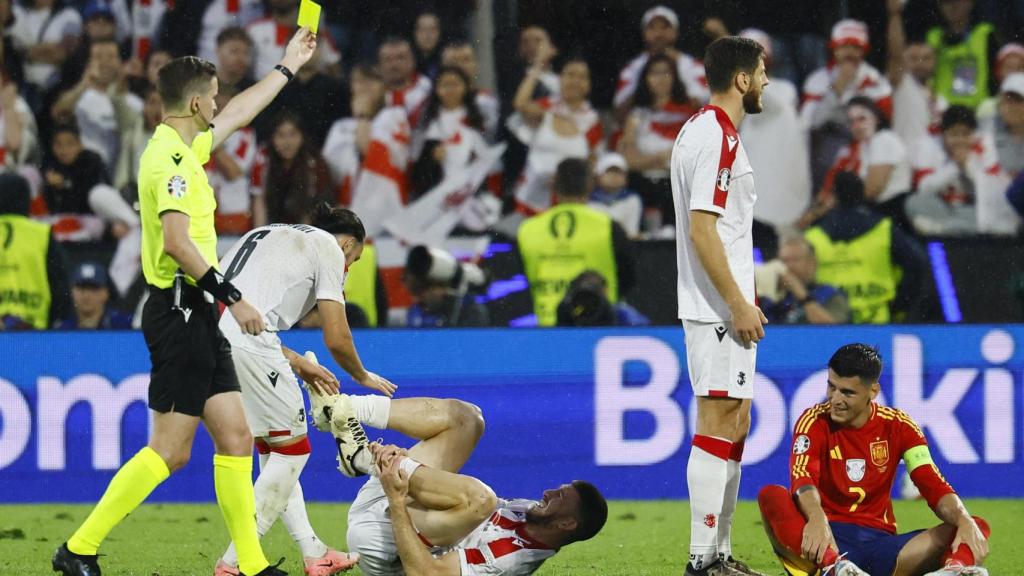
<point x="191" y="358"/>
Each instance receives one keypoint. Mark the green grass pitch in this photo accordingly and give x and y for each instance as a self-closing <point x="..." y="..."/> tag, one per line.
<point x="641" y="538"/>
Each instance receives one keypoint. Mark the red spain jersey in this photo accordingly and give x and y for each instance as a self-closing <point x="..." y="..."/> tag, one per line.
<point x="854" y="468"/>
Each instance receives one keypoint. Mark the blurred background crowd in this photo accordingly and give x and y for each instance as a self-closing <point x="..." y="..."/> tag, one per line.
<point x="510" y="158"/>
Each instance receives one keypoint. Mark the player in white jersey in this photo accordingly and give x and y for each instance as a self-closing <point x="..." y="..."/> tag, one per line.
<point x="417" y="515"/>
<point x="286" y="270"/>
<point x="713" y="192"/>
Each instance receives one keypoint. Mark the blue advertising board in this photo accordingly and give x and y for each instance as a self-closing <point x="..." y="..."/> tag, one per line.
<point x="609" y="405"/>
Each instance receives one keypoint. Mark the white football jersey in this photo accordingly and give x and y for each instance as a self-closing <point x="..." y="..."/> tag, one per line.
<point x="500" y="544"/>
<point x="711" y="173"/>
<point x="282" y="270"/>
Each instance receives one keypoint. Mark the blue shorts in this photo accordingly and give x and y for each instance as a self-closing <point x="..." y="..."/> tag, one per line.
<point x="873" y="551"/>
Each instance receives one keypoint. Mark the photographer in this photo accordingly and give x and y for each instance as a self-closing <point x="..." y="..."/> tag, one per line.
<point x="444" y="291"/>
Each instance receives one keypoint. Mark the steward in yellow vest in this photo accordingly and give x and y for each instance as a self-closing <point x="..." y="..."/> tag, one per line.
<point x="965" y="54"/>
<point x="363" y="287"/>
<point x="570" y="237"/>
<point x="33" y="281"/>
<point x="876" y="264"/>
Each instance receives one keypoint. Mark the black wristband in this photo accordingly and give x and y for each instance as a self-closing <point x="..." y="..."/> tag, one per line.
<point x="284" y="70"/>
<point x="214" y="283"/>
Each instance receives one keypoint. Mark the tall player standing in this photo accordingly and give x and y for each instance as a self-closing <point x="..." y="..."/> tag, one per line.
<point x="193" y="377"/>
<point x="713" y="191"/>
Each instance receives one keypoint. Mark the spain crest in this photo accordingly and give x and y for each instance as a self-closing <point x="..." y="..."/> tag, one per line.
<point x="880" y="452"/>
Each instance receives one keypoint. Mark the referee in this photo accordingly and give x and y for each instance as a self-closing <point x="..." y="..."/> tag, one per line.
<point x="193" y="376"/>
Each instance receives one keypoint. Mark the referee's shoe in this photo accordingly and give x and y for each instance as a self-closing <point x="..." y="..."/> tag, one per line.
<point x="70" y="564"/>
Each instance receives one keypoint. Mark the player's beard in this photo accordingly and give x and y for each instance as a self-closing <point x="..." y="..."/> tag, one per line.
<point x="752" y="102"/>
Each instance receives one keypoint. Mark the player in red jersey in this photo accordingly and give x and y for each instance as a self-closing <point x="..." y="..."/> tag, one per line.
<point x="842" y="467"/>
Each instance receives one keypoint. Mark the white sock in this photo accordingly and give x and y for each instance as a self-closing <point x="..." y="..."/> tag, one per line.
<point x="297" y="522"/>
<point x="279" y="474"/>
<point x="732" y="490"/>
<point x="706" y="477"/>
<point x="372" y="411"/>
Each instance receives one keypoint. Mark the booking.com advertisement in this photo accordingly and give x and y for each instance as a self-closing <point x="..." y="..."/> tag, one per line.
<point x="610" y="406"/>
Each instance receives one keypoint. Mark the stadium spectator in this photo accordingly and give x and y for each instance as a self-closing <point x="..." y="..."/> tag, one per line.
<point x="660" y="108"/>
<point x="569" y="238"/>
<point x="586" y="304"/>
<point x="33" y="279"/>
<point x="910" y="68"/>
<point x="965" y="50"/>
<point x="100" y="103"/>
<point x="45" y="34"/>
<point x="877" y="155"/>
<point x="221" y="15"/>
<point x="134" y="137"/>
<point x="289" y="174"/>
<point x="828" y="90"/>
<point x="19" y="137"/>
<point x="777" y="147"/>
<point x="270" y="35"/>
<point x="794" y="295"/>
<point x="1007" y="127"/>
<point x="451" y="132"/>
<point x="99" y="26"/>
<point x="1009" y="60"/>
<point x="612" y="195"/>
<point x="405" y="87"/>
<point x="348" y="140"/>
<point x="553" y="128"/>
<point x="155" y="59"/>
<point x="234" y="60"/>
<point x="533" y="41"/>
<point x="876" y="264"/>
<point x="960" y="185"/>
<point x="239" y="207"/>
<point x="90" y="292"/>
<point x="462" y="55"/>
<point x="660" y="31"/>
<point x="426" y="37"/>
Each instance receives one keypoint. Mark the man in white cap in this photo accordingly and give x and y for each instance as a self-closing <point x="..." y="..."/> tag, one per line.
<point x="1007" y="127"/>
<point x="661" y="30"/>
<point x="612" y="194"/>
<point x="916" y="107"/>
<point x="1009" y="59"/>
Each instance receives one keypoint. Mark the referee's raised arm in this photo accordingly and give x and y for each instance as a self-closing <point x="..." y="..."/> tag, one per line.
<point x="246" y="105"/>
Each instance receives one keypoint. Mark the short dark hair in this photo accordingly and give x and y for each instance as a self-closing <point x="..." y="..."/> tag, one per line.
<point x="395" y="41"/>
<point x="592" y="512"/>
<point x="572" y="178"/>
<point x="859" y="360"/>
<point x="848" y="189"/>
<point x="338" y="221"/>
<point x="959" y="114"/>
<point x="870" y="105"/>
<point x="69" y="127"/>
<point x="234" y="33"/>
<point x="728" y="56"/>
<point x="184" y="77"/>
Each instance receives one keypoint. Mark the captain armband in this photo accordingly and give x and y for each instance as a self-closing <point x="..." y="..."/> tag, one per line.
<point x="916" y="457"/>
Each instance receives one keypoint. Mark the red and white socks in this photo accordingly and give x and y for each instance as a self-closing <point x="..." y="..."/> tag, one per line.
<point x="707" y="477"/>
<point x="732" y="490"/>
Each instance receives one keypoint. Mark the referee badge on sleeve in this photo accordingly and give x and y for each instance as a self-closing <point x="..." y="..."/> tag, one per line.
<point x="177" y="186"/>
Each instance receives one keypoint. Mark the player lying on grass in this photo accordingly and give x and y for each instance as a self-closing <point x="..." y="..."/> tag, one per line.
<point x="284" y="271"/>
<point x="842" y="467"/>
<point x="417" y="516"/>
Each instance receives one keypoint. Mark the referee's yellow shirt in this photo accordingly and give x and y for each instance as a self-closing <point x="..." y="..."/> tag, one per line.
<point x="171" y="177"/>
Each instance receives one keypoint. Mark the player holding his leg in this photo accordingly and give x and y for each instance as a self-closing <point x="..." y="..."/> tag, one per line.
<point x="713" y="192"/>
<point x="421" y="517"/>
<point x="193" y="377"/>
<point x="839" y="516"/>
<point x="285" y="270"/>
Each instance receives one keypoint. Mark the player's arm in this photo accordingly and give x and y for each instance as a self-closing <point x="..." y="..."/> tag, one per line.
<point x="817" y="538"/>
<point x="416" y="559"/>
<point x="180" y="247"/>
<point x="339" y="341"/>
<point x="244" y="107"/>
<point x="319" y="379"/>
<point x="805" y="470"/>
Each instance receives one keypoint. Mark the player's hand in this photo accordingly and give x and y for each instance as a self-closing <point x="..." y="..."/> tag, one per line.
<point x="318" y="379"/>
<point x="378" y="383"/>
<point x="967" y="532"/>
<point x="394" y="480"/>
<point x="299" y="50"/>
<point x="816" y="541"/>
<point x="248" y="317"/>
<point x="748" y="321"/>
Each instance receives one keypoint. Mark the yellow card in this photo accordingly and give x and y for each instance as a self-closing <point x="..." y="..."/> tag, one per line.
<point x="309" y="15"/>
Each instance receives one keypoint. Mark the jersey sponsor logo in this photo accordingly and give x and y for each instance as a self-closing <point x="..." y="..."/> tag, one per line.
<point x="177" y="186"/>
<point x="801" y="444"/>
<point x="723" y="179"/>
<point x="273" y="378"/>
<point x="880" y="452"/>
<point x="720" y="330"/>
<point x="855" y="469"/>
<point x="732" y="142"/>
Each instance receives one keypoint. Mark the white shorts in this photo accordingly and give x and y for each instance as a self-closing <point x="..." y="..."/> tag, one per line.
<point x="370" y="533"/>
<point x="717" y="361"/>
<point x="270" y="392"/>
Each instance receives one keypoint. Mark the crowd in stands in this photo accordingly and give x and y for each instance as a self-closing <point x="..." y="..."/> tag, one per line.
<point x="885" y="122"/>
